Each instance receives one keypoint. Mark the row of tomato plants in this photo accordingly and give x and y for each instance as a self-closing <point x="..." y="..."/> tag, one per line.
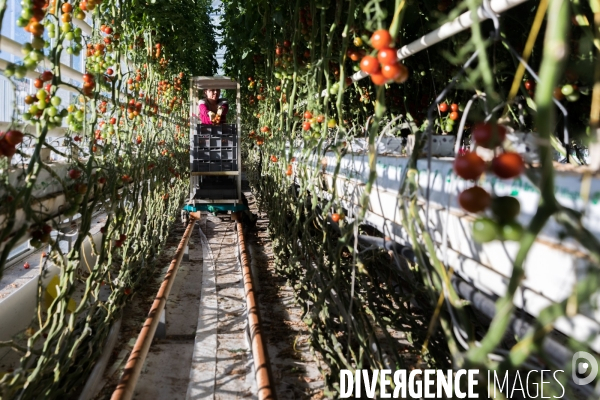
<point x="127" y="150"/>
<point x="301" y="101"/>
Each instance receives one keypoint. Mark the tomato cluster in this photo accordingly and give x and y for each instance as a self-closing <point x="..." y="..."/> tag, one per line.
<point x="385" y="67"/>
<point x="505" y="165"/>
<point x="451" y="117"/>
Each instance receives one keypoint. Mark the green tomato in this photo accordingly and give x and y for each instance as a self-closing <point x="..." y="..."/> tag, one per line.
<point x="36" y="55"/>
<point x="69" y="50"/>
<point x="26" y="116"/>
<point x="66" y="27"/>
<point x="9" y="71"/>
<point x="52" y="111"/>
<point x="56" y="101"/>
<point x="506" y="208"/>
<point x="41" y="104"/>
<point x="29" y="63"/>
<point x="484" y="230"/>
<point x="51" y="34"/>
<point x="567" y="90"/>
<point x="33" y="109"/>
<point x="79" y="115"/>
<point x="26" y="49"/>
<point x="70" y="36"/>
<point x="26" y="13"/>
<point x="38" y="43"/>
<point x="21" y="71"/>
<point x="64" y="113"/>
<point x="573" y="97"/>
<point x="77" y="32"/>
<point x="41" y="94"/>
<point x="512" y="231"/>
<point x="22" y="22"/>
<point x="449" y="127"/>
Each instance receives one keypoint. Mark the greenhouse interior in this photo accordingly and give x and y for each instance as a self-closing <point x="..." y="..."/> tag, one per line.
<point x="285" y="199"/>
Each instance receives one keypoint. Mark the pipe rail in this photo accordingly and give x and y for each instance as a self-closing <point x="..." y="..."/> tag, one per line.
<point x="447" y="30"/>
<point x="261" y="365"/>
<point x="133" y="368"/>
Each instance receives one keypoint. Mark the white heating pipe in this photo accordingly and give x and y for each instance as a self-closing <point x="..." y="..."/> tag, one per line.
<point x="14" y="48"/>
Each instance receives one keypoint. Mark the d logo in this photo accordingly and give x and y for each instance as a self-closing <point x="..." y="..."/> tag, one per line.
<point x="578" y="366"/>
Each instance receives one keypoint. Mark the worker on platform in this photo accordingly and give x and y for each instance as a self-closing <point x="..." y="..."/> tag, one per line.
<point x="212" y="109"/>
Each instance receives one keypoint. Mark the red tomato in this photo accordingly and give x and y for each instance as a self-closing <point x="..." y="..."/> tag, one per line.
<point x="307" y="115"/>
<point x="26" y="265"/>
<point x="74" y="173"/>
<point x="508" y="165"/>
<point x="369" y="64"/>
<point x="7" y="149"/>
<point x="320" y="118"/>
<point x="529" y="85"/>
<point x="443" y="107"/>
<point x="558" y="94"/>
<point x="38" y="83"/>
<point x="378" y="79"/>
<point x="353" y="55"/>
<point x="454" y="115"/>
<point x="380" y="39"/>
<point x="392" y="71"/>
<point x="387" y="56"/>
<point x="13" y="137"/>
<point x="306" y="126"/>
<point x="486" y="136"/>
<point x="475" y="199"/>
<point x="403" y="74"/>
<point x="335" y="217"/>
<point x="47" y="75"/>
<point x="469" y="166"/>
<point x="454" y="107"/>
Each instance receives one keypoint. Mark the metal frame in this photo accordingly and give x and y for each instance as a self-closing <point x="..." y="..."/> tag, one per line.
<point x="197" y="84"/>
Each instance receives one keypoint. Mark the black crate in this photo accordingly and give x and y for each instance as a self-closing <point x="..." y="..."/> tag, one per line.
<point x="202" y="154"/>
<point x="226" y="154"/>
<point x="215" y="148"/>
